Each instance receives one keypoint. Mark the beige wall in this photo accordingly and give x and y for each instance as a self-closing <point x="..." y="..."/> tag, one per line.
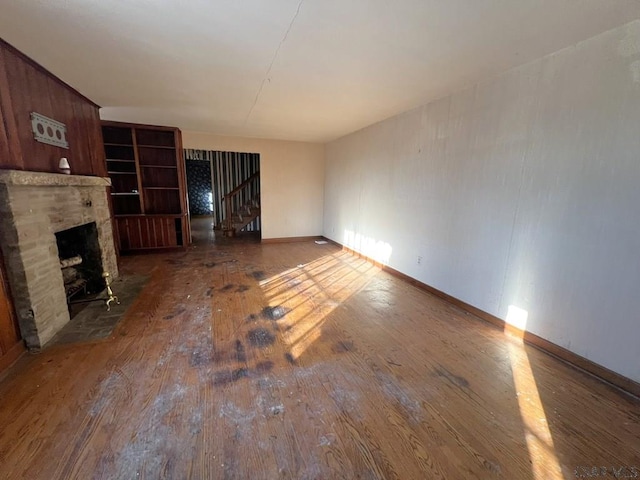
<point x="291" y="181"/>
<point x="520" y="193"/>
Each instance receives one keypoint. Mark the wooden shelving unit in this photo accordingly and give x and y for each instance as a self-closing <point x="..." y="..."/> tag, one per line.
<point x="148" y="193"/>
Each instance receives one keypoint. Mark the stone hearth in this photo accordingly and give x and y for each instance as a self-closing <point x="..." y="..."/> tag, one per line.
<point x="34" y="206"/>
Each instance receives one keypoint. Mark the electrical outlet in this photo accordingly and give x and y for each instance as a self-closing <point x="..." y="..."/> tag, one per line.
<point x="419" y="260"/>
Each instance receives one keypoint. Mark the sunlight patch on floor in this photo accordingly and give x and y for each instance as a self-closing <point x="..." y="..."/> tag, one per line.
<point x="308" y="293"/>
<point x="544" y="462"/>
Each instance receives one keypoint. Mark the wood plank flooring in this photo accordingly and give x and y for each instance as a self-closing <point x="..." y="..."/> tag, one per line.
<point x="242" y="360"/>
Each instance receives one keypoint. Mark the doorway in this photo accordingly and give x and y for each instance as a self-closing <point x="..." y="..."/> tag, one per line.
<point x="224" y="192"/>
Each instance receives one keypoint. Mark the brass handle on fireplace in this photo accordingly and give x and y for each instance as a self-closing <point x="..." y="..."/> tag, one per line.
<point x="112" y="297"/>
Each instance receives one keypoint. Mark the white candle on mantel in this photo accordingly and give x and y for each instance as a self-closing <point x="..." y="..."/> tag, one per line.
<point x="64" y="166"/>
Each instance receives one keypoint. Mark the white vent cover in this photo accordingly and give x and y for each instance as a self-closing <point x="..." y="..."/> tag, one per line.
<point x="47" y="130"/>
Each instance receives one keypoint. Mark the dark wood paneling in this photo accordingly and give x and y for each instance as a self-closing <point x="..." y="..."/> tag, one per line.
<point x="159" y="177"/>
<point x="9" y="334"/>
<point x="155" y="138"/>
<point x="11" y="345"/>
<point x="30" y="93"/>
<point x="145" y="232"/>
<point x="153" y="157"/>
<point x="157" y="156"/>
<point x="162" y="201"/>
<point x="9" y="141"/>
<point x="26" y="87"/>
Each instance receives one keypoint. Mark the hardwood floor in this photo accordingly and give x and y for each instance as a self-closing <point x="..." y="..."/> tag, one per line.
<point x="242" y="360"/>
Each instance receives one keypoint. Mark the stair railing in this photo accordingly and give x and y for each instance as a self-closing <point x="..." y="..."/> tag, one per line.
<point x="228" y="199"/>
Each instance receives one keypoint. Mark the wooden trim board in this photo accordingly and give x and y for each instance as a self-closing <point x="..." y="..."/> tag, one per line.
<point x="294" y="239"/>
<point x="619" y="381"/>
<point x="143" y="126"/>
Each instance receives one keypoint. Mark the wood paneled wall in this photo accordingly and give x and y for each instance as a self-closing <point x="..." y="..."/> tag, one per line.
<point x="11" y="345"/>
<point x="27" y="87"/>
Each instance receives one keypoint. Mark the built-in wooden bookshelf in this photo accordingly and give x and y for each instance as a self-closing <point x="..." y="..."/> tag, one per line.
<point x="148" y="191"/>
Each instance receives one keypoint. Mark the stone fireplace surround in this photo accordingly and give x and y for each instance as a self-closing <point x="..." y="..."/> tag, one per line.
<point x="34" y="206"/>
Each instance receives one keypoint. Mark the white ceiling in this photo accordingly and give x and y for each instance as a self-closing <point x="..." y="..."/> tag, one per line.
<point x="310" y="70"/>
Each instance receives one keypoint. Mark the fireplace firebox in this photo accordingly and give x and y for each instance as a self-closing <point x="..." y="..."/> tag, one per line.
<point x="80" y="261"/>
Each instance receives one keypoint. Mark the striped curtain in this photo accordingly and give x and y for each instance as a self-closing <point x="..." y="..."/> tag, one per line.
<point x="228" y="170"/>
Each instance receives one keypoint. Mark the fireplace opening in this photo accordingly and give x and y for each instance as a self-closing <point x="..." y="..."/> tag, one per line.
<point x="80" y="261"/>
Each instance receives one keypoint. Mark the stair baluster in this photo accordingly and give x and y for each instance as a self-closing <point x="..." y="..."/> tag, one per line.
<point x="229" y="227"/>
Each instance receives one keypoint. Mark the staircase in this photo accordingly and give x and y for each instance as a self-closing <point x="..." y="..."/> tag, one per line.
<point x="240" y="207"/>
<point x="246" y="214"/>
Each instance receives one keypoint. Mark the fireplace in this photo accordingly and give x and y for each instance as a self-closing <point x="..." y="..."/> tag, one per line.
<point x="80" y="261"/>
<point x="43" y="218"/>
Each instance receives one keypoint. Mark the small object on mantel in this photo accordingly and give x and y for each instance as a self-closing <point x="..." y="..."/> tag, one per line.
<point x="64" y="166"/>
